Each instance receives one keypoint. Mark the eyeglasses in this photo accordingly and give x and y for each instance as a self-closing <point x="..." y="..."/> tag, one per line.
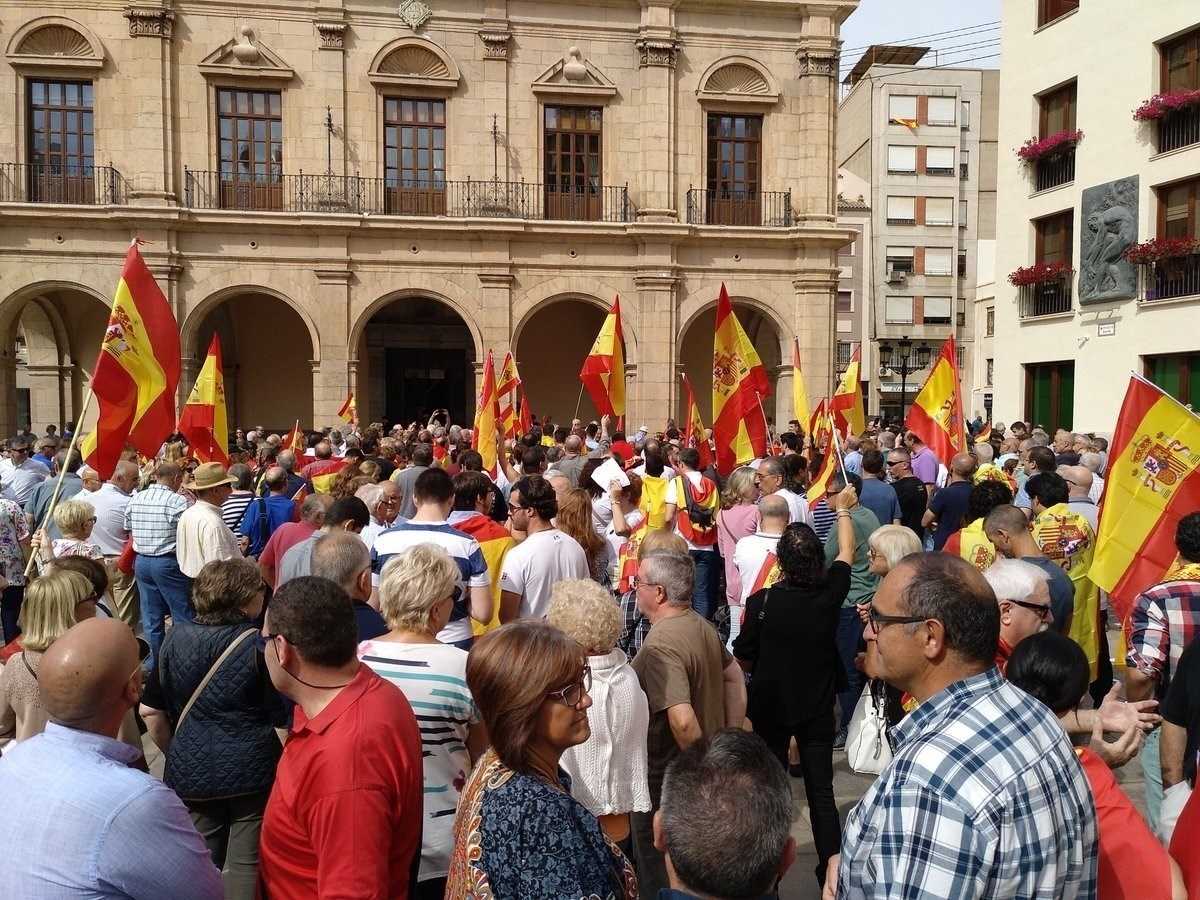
<point x="1042" y="610"/>
<point x="261" y="640"/>
<point x="894" y="462"/>
<point x="879" y="621"/>
<point x="573" y="694"/>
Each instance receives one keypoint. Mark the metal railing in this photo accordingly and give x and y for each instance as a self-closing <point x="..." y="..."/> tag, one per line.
<point x="70" y="185"/>
<point x="1169" y="279"/>
<point x="1047" y="298"/>
<point x="767" y="209"/>
<point x="939" y="170"/>
<point x="1052" y="171"/>
<point x="1179" y="129"/>
<point x="408" y="197"/>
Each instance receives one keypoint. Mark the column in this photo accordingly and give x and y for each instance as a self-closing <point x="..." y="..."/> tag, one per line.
<point x="495" y="38"/>
<point x="783" y="397"/>
<point x="658" y="50"/>
<point x="8" y="392"/>
<point x="149" y="155"/>
<point x="331" y="373"/>
<point x="655" y="392"/>
<point x="817" y="69"/>
<point x="814" y="326"/>
<point x="49" y="387"/>
<point x="496" y="322"/>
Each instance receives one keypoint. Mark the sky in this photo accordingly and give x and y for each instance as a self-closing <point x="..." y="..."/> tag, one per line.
<point x="906" y="21"/>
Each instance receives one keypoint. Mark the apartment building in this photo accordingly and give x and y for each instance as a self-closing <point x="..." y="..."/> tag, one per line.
<point x="1097" y="262"/>
<point x="855" y="294"/>
<point x="924" y="138"/>
<point x="370" y="197"/>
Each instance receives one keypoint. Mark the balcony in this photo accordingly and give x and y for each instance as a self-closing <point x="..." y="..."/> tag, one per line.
<point x="1054" y="171"/>
<point x="939" y="170"/>
<point x="767" y="209"/>
<point x="357" y="195"/>
<point x="1046" y="298"/>
<point x="1170" y="279"/>
<point x="1179" y="129"/>
<point x="69" y="185"/>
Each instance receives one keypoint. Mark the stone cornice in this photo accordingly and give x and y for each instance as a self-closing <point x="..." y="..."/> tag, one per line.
<point x="655" y="280"/>
<point x="333" y="275"/>
<point x="657" y="50"/>
<point x="332" y="35"/>
<point x="496" y="37"/>
<point x="496" y="279"/>
<point x="150" y="21"/>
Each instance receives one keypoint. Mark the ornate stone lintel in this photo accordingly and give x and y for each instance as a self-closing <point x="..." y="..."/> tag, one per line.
<point x="332" y="35"/>
<point x="496" y="279"/>
<point x="656" y="280"/>
<point x="822" y="62"/>
<point x="495" y="39"/>
<point x="656" y="51"/>
<point x="333" y="276"/>
<point x="150" y="21"/>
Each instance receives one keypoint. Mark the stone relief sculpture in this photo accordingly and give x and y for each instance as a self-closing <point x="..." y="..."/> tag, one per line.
<point x="1110" y="227"/>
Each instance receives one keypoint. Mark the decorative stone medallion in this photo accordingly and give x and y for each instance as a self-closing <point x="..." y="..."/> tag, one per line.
<point x="414" y="13"/>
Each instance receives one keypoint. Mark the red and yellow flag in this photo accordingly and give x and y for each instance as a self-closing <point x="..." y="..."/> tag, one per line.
<point x="769" y="574"/>
<point x="694" y="435"/>
<point x="294" y="440"/>
<point x="507" y="383"/>
<point x="137" y="372"/>
<point x="323" y="473"/>
<point x="525" y="414"/>
<point x="204" y="421"/>
<point x="739" y="384"/>
<point x="816" y="490"/>
<point x="847" y="402"/>
<point x="985" y="434"/>
<point x="1151" y="483"/>
<point x="936" y="414"/>
<point x="820" y="427"/>
<point x="348" y="412"/>
<point x="603" y="372"/>
<point x="801" y="411"/>
<point x="486" y="416"/>
<point x="495" y="542"/>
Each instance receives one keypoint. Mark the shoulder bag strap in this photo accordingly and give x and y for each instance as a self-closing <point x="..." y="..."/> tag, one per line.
<point x="233" y="645"/>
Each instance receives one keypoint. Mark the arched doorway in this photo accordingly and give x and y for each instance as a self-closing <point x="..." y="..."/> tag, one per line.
<point x="696" y="354"/>
<point x="415" y="355"/>
<point x="267" y="352"/>
<point x="551" y="346"/>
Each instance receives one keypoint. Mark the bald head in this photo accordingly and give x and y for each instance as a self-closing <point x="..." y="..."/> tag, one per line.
<point x="276" y="478"/>
<point x="125" y="475"/>
<point x="962" y="465"/>
<point x="1079" y="480"/>
<point x="87" y="676"/>
<point x="775" y="512"/>
<point x="984" y="453"/>
<point x="1092" y="461"/>
<point x="573" y="443"/>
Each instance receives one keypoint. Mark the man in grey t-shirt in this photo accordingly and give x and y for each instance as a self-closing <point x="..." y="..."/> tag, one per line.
<point x="348" y="514"/>
<point x="406" y="479"/>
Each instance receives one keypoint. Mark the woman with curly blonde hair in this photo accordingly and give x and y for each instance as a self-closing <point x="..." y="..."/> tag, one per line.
<point x="575" y="519"/>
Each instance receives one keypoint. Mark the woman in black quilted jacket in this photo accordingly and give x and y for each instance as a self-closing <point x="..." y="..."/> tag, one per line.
<point x="210" y="706"/>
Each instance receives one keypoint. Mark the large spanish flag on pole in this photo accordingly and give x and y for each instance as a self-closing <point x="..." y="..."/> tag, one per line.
<point x="847" y="402"/>
<point x="348" y="412"/>
<point x="1151" y="484"/>
<point x="603" y="372"/>
<point x="694" y="435"/>
<point x="137" y="372"/>
<point x="507" y="383"/>
<point x="739" y="384"/>
<point x="936" y="414"/>
<point x="204" y="421"/>
<point x="486" y="416"/>
<point x="801" y="411"/>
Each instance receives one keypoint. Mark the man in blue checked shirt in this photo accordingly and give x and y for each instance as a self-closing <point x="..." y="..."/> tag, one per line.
<point x="984" y="797"/>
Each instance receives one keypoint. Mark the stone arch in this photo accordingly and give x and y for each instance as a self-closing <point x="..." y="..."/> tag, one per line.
<point x="190" y="327"/>
<point x="414" y="61"/>
<point x="382" y="302"/>
<point x="55" y="40"/>
<point x="527" y="309"/>
<point x="738" y="78"/>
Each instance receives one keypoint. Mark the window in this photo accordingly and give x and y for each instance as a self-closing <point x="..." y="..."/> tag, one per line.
<point x="901" y="160"/>
<point x="990" y="328"/>
<point x="843" y="353"/>
<point x="1050" y="395"/>
<point x="848" y="250"/>
<point x="937" y="261"/>
<point x="1054" y="238"/>
<point x="942" y="110"/>
<point x="960" y="356"/>
<point x="845" y="301"/>
<point x="989" y="369"/>
<point x="414" y="156"/>
<point x="964" y="114"/>
<point x="937" y="311"/>
<point x="898" y="310"/>
<point x="962" y="213"/>
<point x="962" y="265"/>
<point x="1178" y="209"/>
<point x="734" y="154"/>
<point x="939" y="211"/>
<point x="964" y="160"/>
<point x="902" y="210"/>
<point x="939" y="160"/>
<point x="1181" y="63"/>
<point x="899" y="259"/>
<point x="1056" y="110"/>
<point x="250" y="149"/>
<point x="61" y="141"/>
<point x="1177" y="373"/>
<point x="902" y="107"/>
<point x="1049" y="10"/>
<point x="572" y="162"/>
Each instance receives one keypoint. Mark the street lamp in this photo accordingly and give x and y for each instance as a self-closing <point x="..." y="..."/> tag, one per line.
<point x="905" y="346"/>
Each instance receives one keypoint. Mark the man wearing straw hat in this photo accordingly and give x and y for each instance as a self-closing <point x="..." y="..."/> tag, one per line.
<point x="202" y="535"/>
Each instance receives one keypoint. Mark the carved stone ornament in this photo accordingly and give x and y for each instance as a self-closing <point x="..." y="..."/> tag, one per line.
<point x="244" y="50"/>
<point x="414" y="13"/>
<point x="817" y="62"/>
<point x="657" y="52"/>
<point x="1110" y="227"/>
<point x="332" y="35"/>
<point x="150" y="21"/>
<point x="495" y="43"/>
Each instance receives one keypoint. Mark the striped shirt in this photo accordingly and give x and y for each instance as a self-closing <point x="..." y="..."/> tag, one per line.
<point x="462" y="548"/>
<point x="234" y="508"/>
<point x="434" y="679"/>
<point x="823" y="517"/>
<point x="152" y="516"/>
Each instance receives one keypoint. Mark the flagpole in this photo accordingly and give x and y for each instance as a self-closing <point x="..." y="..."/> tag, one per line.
<point x="578" y="401"/>
<point x="62" y="472"/>
<point x="767" y="422"/>
<point x="837" y="448"/>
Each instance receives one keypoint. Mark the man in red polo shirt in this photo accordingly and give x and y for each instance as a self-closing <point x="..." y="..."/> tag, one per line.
<point x="344" y="817"/>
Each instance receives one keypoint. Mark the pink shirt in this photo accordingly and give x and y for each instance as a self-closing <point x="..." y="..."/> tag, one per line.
<point x="734" y="524"/>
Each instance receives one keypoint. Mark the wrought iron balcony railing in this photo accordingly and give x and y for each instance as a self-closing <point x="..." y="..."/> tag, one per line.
<point x="766" y="209"/>
<point x="1170" y="279"/>
<point x="1053" y="171"/>
<point x="1179" y="129"/>
<point x="70" y="185"/>
<point x="1047" y="298"/>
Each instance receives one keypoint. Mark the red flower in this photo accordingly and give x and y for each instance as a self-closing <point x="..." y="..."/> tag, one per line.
<point x="1039" y="273"/>
<point x="1051" y="145"/>
<point x="1162" y="105"/>
<point x="1157" y="249"/>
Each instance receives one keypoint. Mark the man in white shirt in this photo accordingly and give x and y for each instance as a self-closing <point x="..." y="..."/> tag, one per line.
<point x="1093" y="463"/>
<point x="770" y="481"/>
<point x="383" y="503"/>
<point x="751" y="553"/>
<point x="20" y="474"/>
<point x="202" y="536"/>
<point x="544" y="558"/>
<point x="110" y="534"/>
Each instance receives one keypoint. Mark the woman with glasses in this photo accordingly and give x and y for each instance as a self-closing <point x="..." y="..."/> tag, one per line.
<point x="519" y="834"/>
<point x="209" y="705"/>
<point x="416" y="596"/>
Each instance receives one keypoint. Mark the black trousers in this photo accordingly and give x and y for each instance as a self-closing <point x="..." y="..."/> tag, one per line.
<point x="10" y="609"/>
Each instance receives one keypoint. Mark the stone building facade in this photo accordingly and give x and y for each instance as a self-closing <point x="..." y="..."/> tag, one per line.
<point x="371" y="196"/>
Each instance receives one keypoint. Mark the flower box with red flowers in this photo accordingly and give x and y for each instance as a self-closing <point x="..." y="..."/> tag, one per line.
<point x="1039" y="273"/>
<point x="1051" y="145"/>
<point x="1157" y="249"/>
<point x="1162" y="105"/>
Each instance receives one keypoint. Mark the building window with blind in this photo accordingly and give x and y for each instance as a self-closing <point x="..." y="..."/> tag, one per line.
<point x="902" y="210"/>
<point x="937" y="311"/>
<point x="1056" y="114"/>
<point x="414" y="156"/>
<point x="1050" y="10"/>
<point x="899" y="260"/>
<point x="61" y="142"/>
<point x="1180" y="73"/>
<point x="250" y="148"/>
<point x="901" y="160"/>
<point x="962" y="265"/>
<point x="734" y="170"/>
<point x="964" y="164"/>
<point x="990" y="368"/>
<point x="573" y="162"/>
<point x="1178" y="215"/>
<point x="943" y="110"/>
<point x="938" y="260"/>
<point x="990" y="328"/>
<point x="901" y="109"/>
<point x="939" y="210"/>
<point x="960" y="357"/>
<point x="898" y="311"/>
<point x="845" y="301"/>
<point x="1053" y="242"/>
<point x="844" y="351"/>
<point x="939" y="160"/>
<point x="964" y="115"/>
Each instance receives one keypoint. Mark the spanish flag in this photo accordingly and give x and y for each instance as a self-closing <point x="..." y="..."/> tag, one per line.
<point x="694" y="435"/>
<point x="486" y="416"/>
<point x="769" y="574"/>
<point x="936" y="415"/>
<point x="203" y="421"/>
<point x="1151" y="484"/>
<point x="525" y="413"/>
<point x="847" y="402"/>
<point x="294" y="440"/>
<point x="323" y="473"/>
<point x="739" y="384"/>
<point x="820" y="427"/>
<point x="816" y="490"/>
<point x="603" y="372"/>
<point x="506" y="389"/>
<point x="627" y="559"/>
<point x="800" y="408"/>
<point x="495" y="541"/>
<point x="137" y="372"/>
<point x="348" y="412"/>
<point x="985" y="434"/>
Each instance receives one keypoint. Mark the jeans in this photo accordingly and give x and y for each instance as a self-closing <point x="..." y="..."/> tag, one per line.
<point x="163" y="590"/>
<point x="1152" y="769"/>
<point x="849" y="636"/>
<point x="10" y="610"/>
<point x="651" y="864"/>
<point x="708" y="573"/>
<point x="231" y="828"/>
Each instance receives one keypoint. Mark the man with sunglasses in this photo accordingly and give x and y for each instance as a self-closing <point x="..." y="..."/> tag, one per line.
<point x="1023" y="592"/>
<point x="910" y="490"/>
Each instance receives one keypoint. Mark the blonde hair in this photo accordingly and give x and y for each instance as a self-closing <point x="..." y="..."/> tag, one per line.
<point x="740" y="487"/>
<point x="72" y="517"/>
<point x="893" y="543"/>
<point x="413" y="583"/>
<point x="585" y="612"/>
<point x="49" y="607"/>
<point x="661" y="540"/>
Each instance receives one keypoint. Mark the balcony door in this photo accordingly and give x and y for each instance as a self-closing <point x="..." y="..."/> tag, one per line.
<point x="61" y="142"/>
<point x="414" y="152"/>
<point x="734" y="170"/>
<point x="574" y="173"/>
<point x="1050" y="395"/>
<point x="250" y="149"/>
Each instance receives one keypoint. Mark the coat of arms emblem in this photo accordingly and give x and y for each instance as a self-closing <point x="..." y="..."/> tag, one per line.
<point x="1162" y="462"/>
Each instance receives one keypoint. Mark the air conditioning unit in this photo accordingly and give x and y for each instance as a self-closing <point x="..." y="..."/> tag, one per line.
<point x="895" y="276"/>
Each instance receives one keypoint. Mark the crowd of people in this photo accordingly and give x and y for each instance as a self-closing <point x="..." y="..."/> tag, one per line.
<point x="599" y="665"/>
